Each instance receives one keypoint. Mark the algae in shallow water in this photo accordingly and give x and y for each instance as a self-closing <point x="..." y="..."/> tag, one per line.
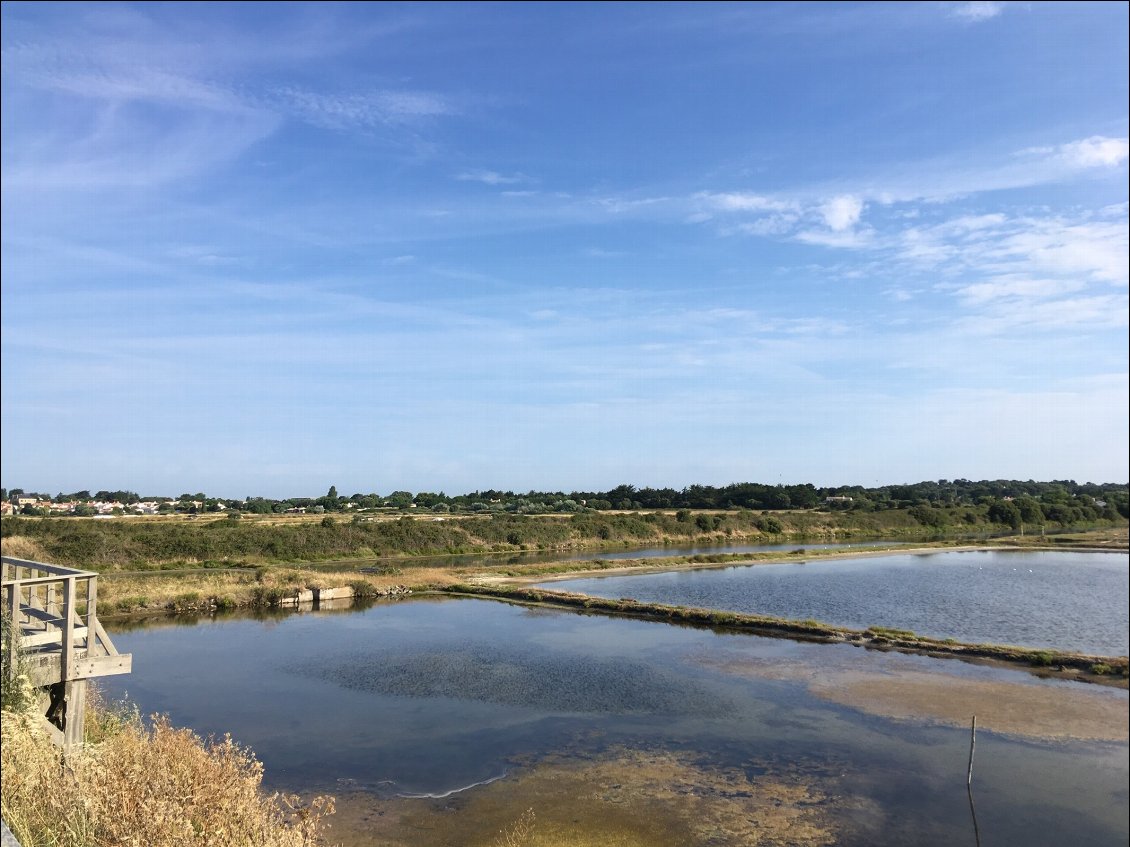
<point x="622" y="798"/>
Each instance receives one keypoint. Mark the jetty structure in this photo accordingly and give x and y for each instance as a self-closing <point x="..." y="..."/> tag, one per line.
<point x="60" y="643"/>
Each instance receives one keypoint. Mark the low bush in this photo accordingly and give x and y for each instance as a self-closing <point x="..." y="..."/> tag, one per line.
<point x="156" y="786"/>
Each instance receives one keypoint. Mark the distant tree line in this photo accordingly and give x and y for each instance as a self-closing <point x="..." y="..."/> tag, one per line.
<point x="1007" y="502"/>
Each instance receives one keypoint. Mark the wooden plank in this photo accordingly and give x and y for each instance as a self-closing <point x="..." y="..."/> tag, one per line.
<point x="49" y="637"/>
<point x="104" y="639"/>
<point x="42" y="616"/>
<point x="68" y="627"/>
<point x="76" y="716"/>
<point x="49" y="569"/>
<point x="94" y="666"/>
<point x="91" y="603"/>
<point x="48" y="672"/>
<point x="47" y="580"/>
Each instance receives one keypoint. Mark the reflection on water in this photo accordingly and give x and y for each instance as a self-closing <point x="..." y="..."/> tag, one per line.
<point x="620" y="729"/>
<point x="1056" y="600"/>
<point x="510" y="675"/>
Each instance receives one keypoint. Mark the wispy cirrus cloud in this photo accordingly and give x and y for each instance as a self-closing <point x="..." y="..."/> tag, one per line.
<point x="976" y="11"/>
<point x="117" y="79"/>
<point x="743" y="201"/>
<point x="837" y="219"/>
<point x="137" y="107"/>
<point x="383" y="107"/>
<point x="1106" y="311"/>
<point x="492" y="178"/>
<point x="1010" y="273"/>
<point x="1014" y="286"/>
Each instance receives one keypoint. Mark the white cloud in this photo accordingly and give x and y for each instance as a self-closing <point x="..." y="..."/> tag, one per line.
<point x="738" y="201"/>
<point x="372" y="108"/>
<point x="842" y="213"/>
<point x="976" y="11"/>
<point x="845" y="238"/>
<point x="1096" y="151"/>
<point x="769" y="225"/>
<point x="1020" y="247"/>
<point x="1016" y="287"/>
<point x="1108" y="311"/>
<point x="491" y="178"/>
<point x="618" y="205"/>
<point x="1097" y="251"/>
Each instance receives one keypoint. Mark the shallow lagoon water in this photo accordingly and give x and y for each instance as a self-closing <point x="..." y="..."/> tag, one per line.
<point x="541" y="557"/>
<point x="1057" y="600"/>
<point x="428" y="697"/>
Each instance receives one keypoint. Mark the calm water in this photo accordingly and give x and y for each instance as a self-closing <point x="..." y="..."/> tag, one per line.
<point x="542" y="557"/>
<point x="430" y="696"/>
<point x="1059" y="600"/>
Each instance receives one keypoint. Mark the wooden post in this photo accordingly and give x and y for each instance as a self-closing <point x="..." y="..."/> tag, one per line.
<point x="66" y="657"/>
<point x="969" y="781"/>
<point x="91" y="619"/>
<point x="74" y="716"/>
<point x="12" y="606"/>
<point x="972" y="746"/>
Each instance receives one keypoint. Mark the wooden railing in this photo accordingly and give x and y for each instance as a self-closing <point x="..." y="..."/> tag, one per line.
<point x="58" y="637"/>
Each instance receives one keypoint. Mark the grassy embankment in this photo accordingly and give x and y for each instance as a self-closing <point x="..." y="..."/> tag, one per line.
<point x="165" y="564"/>
<point x="156" y="566"/>
<point x="137" y="543"/>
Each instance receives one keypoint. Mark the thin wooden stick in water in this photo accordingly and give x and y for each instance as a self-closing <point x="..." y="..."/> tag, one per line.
<point x="972" y="746"/>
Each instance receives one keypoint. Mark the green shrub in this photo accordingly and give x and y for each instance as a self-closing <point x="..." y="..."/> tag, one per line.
<point x="17" y="694"/>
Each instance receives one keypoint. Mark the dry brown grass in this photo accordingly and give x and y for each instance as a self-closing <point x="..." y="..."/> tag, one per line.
<point x="194" y="590"/>
<point x="518" y="833"/>
<point x="157" y="787"/>
<point x="22" y="547"/>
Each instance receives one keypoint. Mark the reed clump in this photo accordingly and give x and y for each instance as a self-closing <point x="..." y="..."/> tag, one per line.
<point x="154" y="785"/>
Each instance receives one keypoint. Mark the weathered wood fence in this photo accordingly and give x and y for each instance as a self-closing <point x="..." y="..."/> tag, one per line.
<point x="56" y="633"/>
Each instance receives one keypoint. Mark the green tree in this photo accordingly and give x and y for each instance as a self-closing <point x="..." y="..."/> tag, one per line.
<point x="1005" y="512"/>
<point x="1030" y="511"/>
<point x="770" y="525"/>
<point x="399" y="499"/>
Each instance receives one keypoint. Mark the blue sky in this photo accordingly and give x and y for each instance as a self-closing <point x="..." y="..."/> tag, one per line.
<point x="262" y="249"/>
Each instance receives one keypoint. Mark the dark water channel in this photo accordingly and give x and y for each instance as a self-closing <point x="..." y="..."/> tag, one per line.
<point x="429" y="696"/>
<point x="1057" y="600"/>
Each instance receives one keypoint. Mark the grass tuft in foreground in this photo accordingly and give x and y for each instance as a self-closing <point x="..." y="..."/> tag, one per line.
<point x="157" y="785"/>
